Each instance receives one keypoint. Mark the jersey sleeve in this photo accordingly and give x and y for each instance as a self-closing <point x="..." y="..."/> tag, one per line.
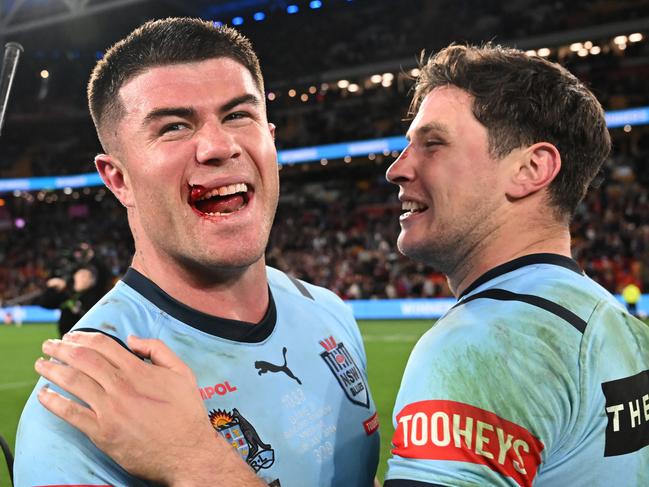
<point x="486" y="396"/>
<point x="51" y="452"/>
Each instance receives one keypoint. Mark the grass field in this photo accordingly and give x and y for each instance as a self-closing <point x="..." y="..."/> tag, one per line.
<point x="388" y="344"/>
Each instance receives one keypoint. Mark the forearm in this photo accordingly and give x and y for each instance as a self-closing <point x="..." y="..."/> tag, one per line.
<point x="224" y="468"/>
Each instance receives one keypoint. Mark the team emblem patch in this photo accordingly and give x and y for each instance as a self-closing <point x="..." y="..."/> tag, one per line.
<point x="243" y="438"/>
<point x="349" y="376"/>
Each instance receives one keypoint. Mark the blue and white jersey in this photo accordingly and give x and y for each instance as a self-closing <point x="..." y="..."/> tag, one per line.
<point x="536" y="377"/>
<point x="289" y="393"/>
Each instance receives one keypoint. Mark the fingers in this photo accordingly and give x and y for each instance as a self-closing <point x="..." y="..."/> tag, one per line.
<point x="156" y="351"/>
<point x="68" y="410"/>
<point x="75" y="382"/>
<point x="111" y="348"/>
<point x="82" y="361"/>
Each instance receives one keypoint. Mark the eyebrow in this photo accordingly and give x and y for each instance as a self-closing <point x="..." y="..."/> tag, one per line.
<point x="186" y="112"/>
<point x="427" y="128"/>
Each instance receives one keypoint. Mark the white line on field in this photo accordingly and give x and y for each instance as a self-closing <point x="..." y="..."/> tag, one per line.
<point x="16" y="385"/>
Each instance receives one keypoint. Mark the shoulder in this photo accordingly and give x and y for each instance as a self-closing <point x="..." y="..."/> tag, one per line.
<point x="120" y="312"/>
<point x="295" y="295"/>
<point x="295" y="292"/>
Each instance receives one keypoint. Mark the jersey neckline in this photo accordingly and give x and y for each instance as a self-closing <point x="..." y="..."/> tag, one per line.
<point x="512" y="265"/>
<point x="240" y="331"/>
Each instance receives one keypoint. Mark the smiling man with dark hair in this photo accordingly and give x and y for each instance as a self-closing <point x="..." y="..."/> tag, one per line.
<point x="179" y="108"/>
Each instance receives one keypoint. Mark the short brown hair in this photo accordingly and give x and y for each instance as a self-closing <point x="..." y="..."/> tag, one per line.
<point x="160" y="43"/>
<point x="522" y="100"/>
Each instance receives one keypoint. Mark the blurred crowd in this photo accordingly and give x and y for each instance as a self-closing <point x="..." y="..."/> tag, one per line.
<point x="336" y="226"/>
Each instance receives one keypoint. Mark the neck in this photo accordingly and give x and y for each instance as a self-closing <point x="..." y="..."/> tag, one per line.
<point x="236" y="294"/>
<point x="507" y="246"/>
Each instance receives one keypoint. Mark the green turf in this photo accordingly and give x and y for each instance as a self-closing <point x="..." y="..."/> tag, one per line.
<point x="388" y="345"/>
<point x="19" y="349"/>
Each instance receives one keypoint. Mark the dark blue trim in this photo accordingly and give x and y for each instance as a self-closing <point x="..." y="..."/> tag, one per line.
<point x="554" y="259"/>
<point x="240" y="331"/>
<point x="552" y="307"/>
<point x="301" y="287"/>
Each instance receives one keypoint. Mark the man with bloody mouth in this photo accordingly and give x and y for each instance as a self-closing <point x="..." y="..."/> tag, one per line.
<point x="179" y="109"/>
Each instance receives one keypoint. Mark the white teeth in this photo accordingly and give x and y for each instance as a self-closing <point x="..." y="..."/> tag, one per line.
<point x="225" y="190"/>
<point x="412" y="206"/>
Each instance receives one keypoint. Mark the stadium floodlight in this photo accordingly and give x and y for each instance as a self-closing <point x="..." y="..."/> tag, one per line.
<point x="576" y="46"/>
<point x="531" y="52"/>
<point x="313" y="89"/>
<point x="636" y="37"/>
<point x="314" y="4"/>
<point x="292" y="9"/>
<point x="259" y="16"/>
<point x="292" y="93"/>
<point x="352" y="88"/>
<point x="544" y="52"/>
<point x="376" y="78"/>
<point x="595" y="50"/>
<point x="343" y="83"/>
<point x="45" y="74"/>
<point x="620" y="39"/>
<point x="237" y="21"/>
<point x="588" y="44"/>
<point x="388" y="76"/>
<point x="271" y="96"/>
<point x="582" y="52"/>
<point x="415" y="72"/>
<point x="304" y="97"/>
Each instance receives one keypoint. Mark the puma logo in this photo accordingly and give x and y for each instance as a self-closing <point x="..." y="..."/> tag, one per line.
<point x="264" y="367"/>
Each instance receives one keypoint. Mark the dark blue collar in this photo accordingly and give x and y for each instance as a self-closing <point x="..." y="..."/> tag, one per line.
<point x="554" y="259"/>
<point x="239" y="331"/>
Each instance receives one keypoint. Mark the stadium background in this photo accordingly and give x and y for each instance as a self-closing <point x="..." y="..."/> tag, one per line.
<point x="337" y="72"/>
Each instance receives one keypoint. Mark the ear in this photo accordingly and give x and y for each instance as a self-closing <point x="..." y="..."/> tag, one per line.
<point x="534" y="169"/>
<point x="115" y="178"/>
<point x="271" y="128"/>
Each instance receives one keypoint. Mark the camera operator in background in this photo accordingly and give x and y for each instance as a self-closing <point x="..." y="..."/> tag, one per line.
<point x="75" y="295"/>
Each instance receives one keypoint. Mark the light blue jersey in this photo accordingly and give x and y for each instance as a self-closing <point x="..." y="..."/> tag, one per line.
<point x="536" y="377"/>
<point x="290" y="393"/>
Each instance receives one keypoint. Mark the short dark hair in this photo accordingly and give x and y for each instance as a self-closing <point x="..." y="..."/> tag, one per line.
<point x="159" y="43"/>
<point x="522" y="100"/>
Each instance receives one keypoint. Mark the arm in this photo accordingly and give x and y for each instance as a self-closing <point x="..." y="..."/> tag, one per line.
<point x="148" y="417"/>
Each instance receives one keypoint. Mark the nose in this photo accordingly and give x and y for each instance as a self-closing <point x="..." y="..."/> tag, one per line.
<point x="401" y="170"/>
<point x="216" y="144"/>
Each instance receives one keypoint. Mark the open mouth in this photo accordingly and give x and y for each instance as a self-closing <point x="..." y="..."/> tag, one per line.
<point x="411" y="207"/>
<point x="220" y="201"/>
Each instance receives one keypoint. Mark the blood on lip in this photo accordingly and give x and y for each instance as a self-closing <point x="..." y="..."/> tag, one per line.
<point x="205" y="207"/>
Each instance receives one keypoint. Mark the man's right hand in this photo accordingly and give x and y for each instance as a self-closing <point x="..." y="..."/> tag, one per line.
<point x="149" y="417"/>
<point x="56" y="283"/>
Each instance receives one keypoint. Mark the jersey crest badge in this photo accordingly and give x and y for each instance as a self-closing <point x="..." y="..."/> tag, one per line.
<point x="243" y="438"/>
<point x="349" y="376"/>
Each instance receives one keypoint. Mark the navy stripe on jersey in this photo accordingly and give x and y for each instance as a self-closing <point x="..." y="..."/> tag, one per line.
<point x="546" y="304"/>
<point x="300" y="287"/>
<point x="409" y="483"/>
<point x="235" y="330"/>
<point x="95" y="330"/>
<point x="554" y="259"/>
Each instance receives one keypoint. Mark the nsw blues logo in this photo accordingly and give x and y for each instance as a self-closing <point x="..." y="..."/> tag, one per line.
<point x="348" y="374"/>
<point x="243" y="438"/>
